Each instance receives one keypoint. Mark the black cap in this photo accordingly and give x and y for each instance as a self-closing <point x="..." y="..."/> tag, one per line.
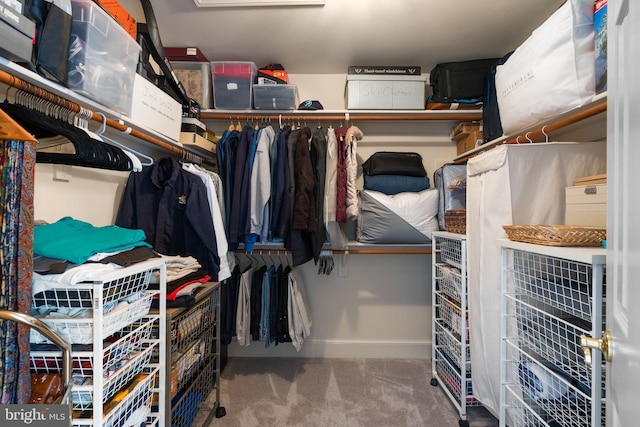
<point x="310" y="105"/>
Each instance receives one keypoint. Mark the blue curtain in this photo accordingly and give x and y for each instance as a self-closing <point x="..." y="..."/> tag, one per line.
<point x="16" y="261"/>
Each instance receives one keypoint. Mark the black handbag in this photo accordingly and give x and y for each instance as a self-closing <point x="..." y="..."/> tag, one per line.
<point x="53" y="33"/>
<point x="394" y="163"/>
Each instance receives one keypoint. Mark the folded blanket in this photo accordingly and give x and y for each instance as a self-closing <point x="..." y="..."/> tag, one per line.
<point x="394" y="184"/>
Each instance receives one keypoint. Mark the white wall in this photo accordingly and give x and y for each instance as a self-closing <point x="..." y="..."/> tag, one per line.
<point x="381" y="308"/>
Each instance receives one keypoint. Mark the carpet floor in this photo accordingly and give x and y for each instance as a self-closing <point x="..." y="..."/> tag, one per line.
<point x="329" y="392"/>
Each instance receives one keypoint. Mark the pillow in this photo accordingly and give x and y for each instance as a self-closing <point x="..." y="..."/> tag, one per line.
<point x="407" y="217"/>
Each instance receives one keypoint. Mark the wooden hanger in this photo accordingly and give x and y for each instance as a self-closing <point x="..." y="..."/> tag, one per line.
<point x="10" y="130"/>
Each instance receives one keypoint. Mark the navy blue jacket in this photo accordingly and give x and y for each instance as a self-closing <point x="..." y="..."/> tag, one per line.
<point x="171" y="206"/>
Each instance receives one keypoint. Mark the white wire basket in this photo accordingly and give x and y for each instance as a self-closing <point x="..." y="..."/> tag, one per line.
<point x="451" y="347"/>
<point x="450" y="251"/>
<point x="122" y="360"/>
<point x="560" y="283"/>
<point x="81" y="330"/>
<point x="451" y="314"/>
<point x="449" y="281"/>
<point x="452" y="380"/>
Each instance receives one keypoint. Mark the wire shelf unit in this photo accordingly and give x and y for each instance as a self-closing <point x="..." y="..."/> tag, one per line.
<point x="551" y="297"/>
<point x="116" y="355"/>
<point x="450" y="358"/>
<point x="194" y="350"/>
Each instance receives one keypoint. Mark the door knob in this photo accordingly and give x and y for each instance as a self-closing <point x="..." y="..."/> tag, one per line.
<point x="603" y="344"/>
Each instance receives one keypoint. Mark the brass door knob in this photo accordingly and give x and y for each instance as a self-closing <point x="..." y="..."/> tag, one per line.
<point x="603" y="344"/>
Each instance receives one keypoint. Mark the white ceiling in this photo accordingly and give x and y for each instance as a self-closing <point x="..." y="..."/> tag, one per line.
<point x="329" y="38"/>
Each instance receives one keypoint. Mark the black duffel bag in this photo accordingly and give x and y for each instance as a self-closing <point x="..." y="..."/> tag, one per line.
<point x="394" y="163"/>
<point x="459" y="81"/>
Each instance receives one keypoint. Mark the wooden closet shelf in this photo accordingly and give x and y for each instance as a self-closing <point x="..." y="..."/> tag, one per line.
<point x="23" y="85"/>
<point x="542" y="134"/>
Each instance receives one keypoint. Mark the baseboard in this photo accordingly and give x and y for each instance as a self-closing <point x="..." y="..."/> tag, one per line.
<point x="336" y="349"/>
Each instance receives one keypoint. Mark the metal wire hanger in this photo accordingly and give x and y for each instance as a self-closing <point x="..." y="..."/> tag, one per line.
<point x="101" y="133"/>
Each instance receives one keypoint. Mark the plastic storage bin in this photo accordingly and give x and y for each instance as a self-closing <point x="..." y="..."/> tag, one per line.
<point x="233" y="84"/>
<point x="196" y="79"/>
<point x="274" y="97"/>
<point x="102" y="57"/>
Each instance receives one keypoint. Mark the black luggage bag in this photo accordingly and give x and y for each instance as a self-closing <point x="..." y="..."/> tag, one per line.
<point x="460" y="81"/>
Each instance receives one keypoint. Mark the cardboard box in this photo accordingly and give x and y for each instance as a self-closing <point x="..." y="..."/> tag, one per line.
<point x="467" y="135"/>
<point x="600" y="44"/>
<point x="156" y="110"/>
<point x="198" y="143"/>
<point x="191" y="124"/>
<point x="591" y="179"/>
<point x="586" y="205"/>
<point x="385" y="92"/>
<point x="120" y="14"/>
<point x="190" y="54"/>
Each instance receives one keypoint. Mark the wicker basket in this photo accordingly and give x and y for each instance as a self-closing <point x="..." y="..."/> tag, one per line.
<point x="456" y="221"/>
<point x="556" y="235"/>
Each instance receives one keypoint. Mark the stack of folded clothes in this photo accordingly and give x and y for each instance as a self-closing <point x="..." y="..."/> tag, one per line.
<point x="396" y="203"/>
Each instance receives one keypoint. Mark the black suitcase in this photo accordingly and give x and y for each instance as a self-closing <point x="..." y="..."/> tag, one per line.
<point x="460" y="81"/>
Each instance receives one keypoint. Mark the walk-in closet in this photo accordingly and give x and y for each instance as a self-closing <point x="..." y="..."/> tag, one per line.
<point x="319" y="213"/>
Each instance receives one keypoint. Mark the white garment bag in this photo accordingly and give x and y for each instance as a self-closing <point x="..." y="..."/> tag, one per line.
<point x="511" y="184"/>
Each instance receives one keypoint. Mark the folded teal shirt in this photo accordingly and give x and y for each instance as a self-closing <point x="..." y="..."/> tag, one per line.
<point x="75" y="241"/>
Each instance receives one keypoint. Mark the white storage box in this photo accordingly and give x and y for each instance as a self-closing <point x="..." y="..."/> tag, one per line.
<point x="385" y="92"/>
<point x="102" y="57"/>
<point x="196" y="79"/>
<point x="154" y="109"/>
<point x="233" y="84"/>
<point x="586" y="205"/>
<point x="274" y="97"/>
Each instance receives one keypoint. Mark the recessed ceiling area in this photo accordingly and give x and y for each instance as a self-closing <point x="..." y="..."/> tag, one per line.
<point x="327" y="38"/>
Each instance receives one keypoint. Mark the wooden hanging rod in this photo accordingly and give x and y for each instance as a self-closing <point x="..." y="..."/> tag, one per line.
<point x="546" y="129"/>
<point x="347" y="116"/>
<point x="44" y="94"/>
<point x="381" y="251"/>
